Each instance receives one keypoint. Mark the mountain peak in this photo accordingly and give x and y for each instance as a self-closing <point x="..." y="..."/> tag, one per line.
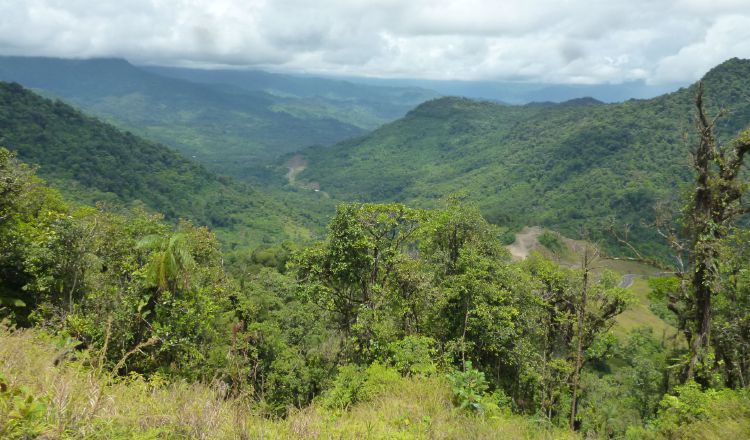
<point x="440" y="107"/>
<point x="586" y="100"/>
<point x="733" y="67"/>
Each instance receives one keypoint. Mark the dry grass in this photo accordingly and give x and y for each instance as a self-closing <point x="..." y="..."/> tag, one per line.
<point x="83" y="403"/>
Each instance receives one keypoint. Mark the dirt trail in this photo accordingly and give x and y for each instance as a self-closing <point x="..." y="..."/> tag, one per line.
<point x="526" y="241"/>
<point x="627" y="280"/>
<point x="296" y="164"/>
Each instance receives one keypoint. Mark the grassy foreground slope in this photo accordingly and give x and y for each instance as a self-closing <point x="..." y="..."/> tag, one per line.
<point x="39" y="399"/>
<point x="94" y="161"/>
<point x="73" y="401"/>
<point x="561" y="166"/>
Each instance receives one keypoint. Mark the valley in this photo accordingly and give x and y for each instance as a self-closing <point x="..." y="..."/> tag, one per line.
<point x="232" y="253"/>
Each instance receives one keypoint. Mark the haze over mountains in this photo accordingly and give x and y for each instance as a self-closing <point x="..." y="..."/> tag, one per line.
<point x="526" y="92"/>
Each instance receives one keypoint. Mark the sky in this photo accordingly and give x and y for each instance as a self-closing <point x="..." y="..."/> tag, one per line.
<point x="554" y="41"/>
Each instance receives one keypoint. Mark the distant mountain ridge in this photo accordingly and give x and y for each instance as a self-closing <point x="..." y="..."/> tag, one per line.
<point x="523" y="92"/>
<point x="231" y="129"/>
<point x="558" y="165"/>
<point x="386" y="103"/>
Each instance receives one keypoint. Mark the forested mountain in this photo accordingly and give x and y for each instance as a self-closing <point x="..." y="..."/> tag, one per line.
<point x="565" y="166"/>
<point x="227" y="127"/>
<point x="95" y="161"/>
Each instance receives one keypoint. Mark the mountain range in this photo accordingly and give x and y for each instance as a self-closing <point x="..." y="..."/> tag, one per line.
<point x="574" y="166"/>
<point x="233" y="126"/>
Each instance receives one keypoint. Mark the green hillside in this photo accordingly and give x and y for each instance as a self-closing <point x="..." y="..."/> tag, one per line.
<point x="229" y="128"/>
<point x="94" y="161"/>
<point x="562" y="166"/>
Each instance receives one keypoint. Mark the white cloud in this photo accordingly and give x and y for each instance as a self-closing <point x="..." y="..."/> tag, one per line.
<point x="578" y="41"/>
<point x="727" y="37"/>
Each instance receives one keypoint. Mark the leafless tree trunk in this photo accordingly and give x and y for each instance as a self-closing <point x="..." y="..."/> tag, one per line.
<point x="716" y="203"/>
<point x="581" y="312"/>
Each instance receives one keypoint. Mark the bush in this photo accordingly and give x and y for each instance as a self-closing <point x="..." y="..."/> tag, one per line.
<point x="22" y="415"/>
<point x="354" y="384"/>
<point x="692" y="413"/>
<point x="470" y="391"/>
<point x="413" y="356"/>
<point x="687" y="405"/>
<point x="553" y="242"/>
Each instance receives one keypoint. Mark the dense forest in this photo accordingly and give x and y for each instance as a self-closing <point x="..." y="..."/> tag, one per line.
<point x="579" y="164"/>
<point x="94" y="162"/>
<point x="124" y="315"/>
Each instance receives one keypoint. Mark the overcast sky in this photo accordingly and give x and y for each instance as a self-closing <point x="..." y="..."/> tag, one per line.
<point x="562" y="41"/>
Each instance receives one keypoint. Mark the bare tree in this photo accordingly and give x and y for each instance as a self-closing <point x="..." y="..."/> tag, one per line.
<point x="708" y="218"/>
<point x="716" y="203"/>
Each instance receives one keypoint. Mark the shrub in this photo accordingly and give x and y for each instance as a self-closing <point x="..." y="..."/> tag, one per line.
<point x="553" y="242"/>
<point x="413" y="355"/>
<point x="354" y="384"/>
<point x="688" y="404"/>
<point x="22" y="415"/>
<point x="470" y="391"/>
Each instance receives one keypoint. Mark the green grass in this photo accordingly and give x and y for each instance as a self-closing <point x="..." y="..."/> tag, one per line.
<point x="79" y="401"/>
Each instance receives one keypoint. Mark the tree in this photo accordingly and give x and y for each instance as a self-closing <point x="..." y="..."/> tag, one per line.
<point x="708" y="219"/>
<point x="580" y="308"/>
<point x="352" y="273"/>
<point x="715" y="205"/>
<point x="170" y="260"/>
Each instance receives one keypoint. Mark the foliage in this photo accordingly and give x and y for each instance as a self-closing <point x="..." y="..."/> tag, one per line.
<point x="553" y="242"/>
<point x="470" y="391"/>
<point x="281" y="353"/>
<point x="139" y="408"/>
<point x="692" y="413"/>
<point x="21" y="413"/>
<point x="354" y="384"/>
<point x="351" y="274"/>
<point x="414" y="355"/>
<point x="661" y="289"/>
<point x="630" y="393"/>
